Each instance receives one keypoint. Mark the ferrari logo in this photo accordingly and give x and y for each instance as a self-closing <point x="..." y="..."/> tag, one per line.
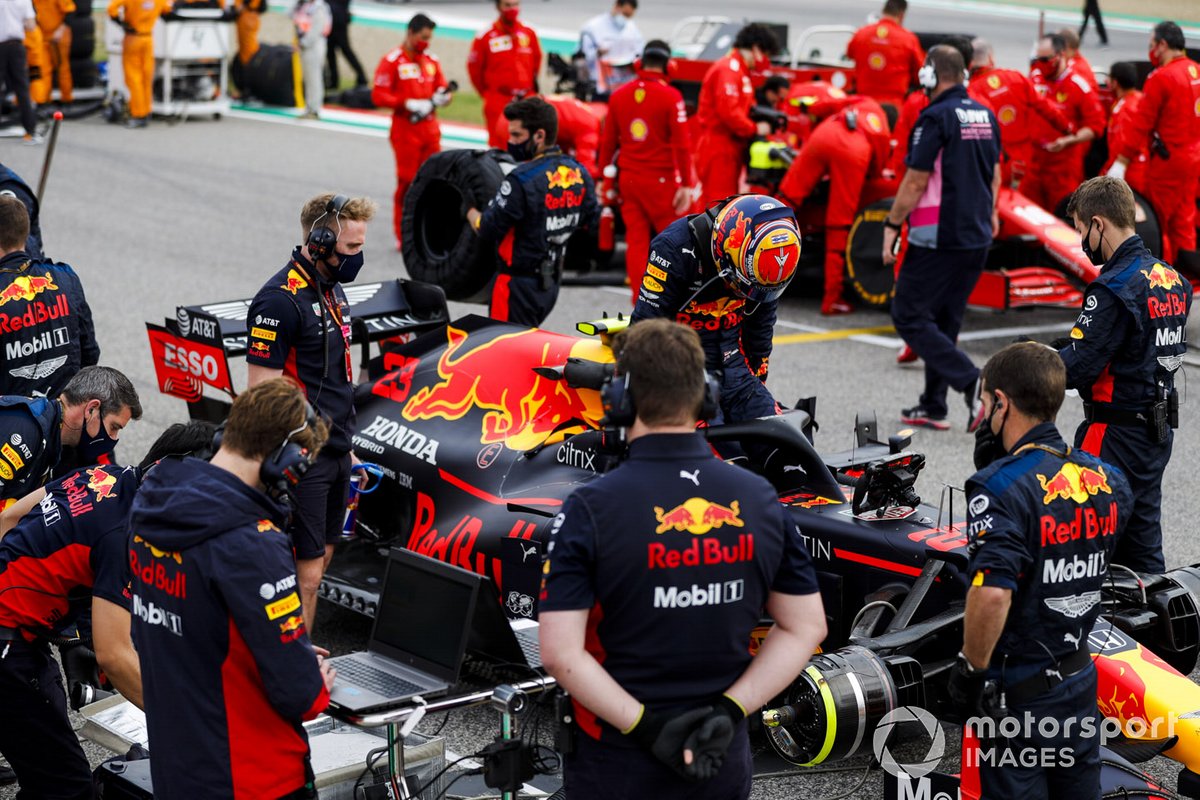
<point x="639" y="95"/>
<point x="881" y="32"/>
<point x="994" y="81"/>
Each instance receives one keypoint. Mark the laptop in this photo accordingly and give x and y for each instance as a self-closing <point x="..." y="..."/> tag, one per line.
<point x="418" y="640"/>
<point x="497" y="638"/>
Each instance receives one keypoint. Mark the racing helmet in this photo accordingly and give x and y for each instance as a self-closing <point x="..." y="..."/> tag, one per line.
<point x="756" y="246"/>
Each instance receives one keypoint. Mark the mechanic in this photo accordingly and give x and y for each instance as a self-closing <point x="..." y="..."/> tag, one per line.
<point x="1123" y="80"/>
<point x="13" y="185"/>
<point x="300" y="327"/>
<point x="578" y="129"/>
<point x="721" y="272"/>
<point x="218" y="624"/>
<point x="650" y="721"/>
<point x="646" y="131"/>
<point x="536" y="209"/>
<point x="137" y="18"/>
<point x="93" y="409"/>
<point x="1122" y="357"/>
<point x="1167" y="124"/>
<point x="951" y="222"/>
<point x="1057" y="164"/>
<point x="1014" y="100"/>
<point x="249" y="20"/>
<point x="17" y="20"/>
<point x="45" y="323"/>
<point x="611" y="43"/>
<point x="56" y="47"/>
<point x="503" y="65"/>
<point x="339" y="41"/>
<point x="1030" y="606"/>
<point x="723" y="113"/>
<point x="886" y="56"/>
<point x="849" y="147"/>
<point x="409" y="81"/>
<point x="1075" y="59"/>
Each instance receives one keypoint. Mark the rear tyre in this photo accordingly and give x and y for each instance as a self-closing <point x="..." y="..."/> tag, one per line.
<point x="871" y="280"/>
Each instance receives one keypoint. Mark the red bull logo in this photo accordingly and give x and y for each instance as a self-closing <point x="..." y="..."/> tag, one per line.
<point x="260" y="348"/>
<point x="717" y="308"/>
<point x="697" y="516"/>
<point x="522" y="408"/>
<point x="101" y="483"/>
<point x="291" y="628"/>
<point x="1162" y="277"/>
<point x="733" y="243"/>
<point x="26" y="287"/>
<point x="564" y="177"/>
<point x="1074" y="482"/>
<point x="294" y="282"/>
<point x="158" y="553"/>
<point x="265" y="525"/>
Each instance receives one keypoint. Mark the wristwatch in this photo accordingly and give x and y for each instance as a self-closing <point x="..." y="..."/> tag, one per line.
<point x="896" y="226"/>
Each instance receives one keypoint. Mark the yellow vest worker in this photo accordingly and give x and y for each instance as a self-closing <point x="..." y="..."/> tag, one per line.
<point x="39" y="73"/>
<point x="248" y="22"/>
<point x="137" y="17"/>
<point x="56" y="47"/>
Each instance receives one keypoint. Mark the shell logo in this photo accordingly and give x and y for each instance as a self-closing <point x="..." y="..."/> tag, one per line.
<point x="881" y="32"/>
<point x="1007" y="115"/>
<point x="639" y="130"/>
<point x="639" y="95"/>
<point x="1197" y="109"/>
<point x="876" y="61"/>
<point x="994" y="81"/>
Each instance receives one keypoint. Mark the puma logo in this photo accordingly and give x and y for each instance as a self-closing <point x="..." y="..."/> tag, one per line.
<point x="694" y="477"/>
<point x="526" y="552"/>
<point x="1071" y="639"/>
<point x="691" y="253"/>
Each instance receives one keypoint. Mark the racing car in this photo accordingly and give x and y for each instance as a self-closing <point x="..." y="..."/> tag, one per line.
<point x="481" y="429"/>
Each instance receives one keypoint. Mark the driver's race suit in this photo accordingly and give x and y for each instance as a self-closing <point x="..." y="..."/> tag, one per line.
<point x="681" y="283"/>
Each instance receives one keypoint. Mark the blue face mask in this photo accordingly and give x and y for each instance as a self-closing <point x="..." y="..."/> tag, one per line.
<point x="348" y="267"/>
<point x="620" y="21"/>
<point x="91" y="448"/>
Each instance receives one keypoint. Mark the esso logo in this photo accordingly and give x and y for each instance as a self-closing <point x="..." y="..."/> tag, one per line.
<point x="199" y="364"/>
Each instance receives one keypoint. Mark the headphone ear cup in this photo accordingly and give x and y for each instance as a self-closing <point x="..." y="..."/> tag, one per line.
<point x="927" y="77"/>
<point x="321" y="242"/>
<point x="284" y="469"/>
<point x="617" y="401"/>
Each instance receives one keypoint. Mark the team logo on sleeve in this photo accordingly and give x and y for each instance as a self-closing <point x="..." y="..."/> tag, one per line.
<point x="102" y="484"/>
<point x="294" y="282"/>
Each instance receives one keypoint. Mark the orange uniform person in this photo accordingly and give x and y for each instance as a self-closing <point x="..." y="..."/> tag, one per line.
<point x="137" y="17"/>
<point x="850" y="146"/>
<point x="1013" y="99"/>
<point x="886" y="56"/>
<point x="646" y="130"/>
<point x="409" y="80"/>
<point x="1057" y="165"/>
<point x="1122" y="78"/>
<point x="249" y="20"/>
<point x="503" y="65"/>
<point x="723" y="113"/>
<point x="56" y="48"/>
<point x="1170" y="107"/>
<point x="39" y="70"/>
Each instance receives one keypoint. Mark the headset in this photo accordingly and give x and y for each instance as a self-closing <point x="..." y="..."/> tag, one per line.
<point x="927" y="77"/>
<point x="660" y="52"/>
<point x="323" y="240"/>
<point x="620" y="410"/>
<point x="285" y="466"/>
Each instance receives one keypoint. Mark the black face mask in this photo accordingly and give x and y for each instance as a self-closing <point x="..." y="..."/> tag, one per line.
<point x="989" y="446"/>
<point x="523" y="151"/>
<point x="1095" y="256"/>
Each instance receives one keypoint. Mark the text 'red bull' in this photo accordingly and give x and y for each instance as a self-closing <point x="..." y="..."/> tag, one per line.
<point x="1086" y="524"/>
<point x="701" y="552"/>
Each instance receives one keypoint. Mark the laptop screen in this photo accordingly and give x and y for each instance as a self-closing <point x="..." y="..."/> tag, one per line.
<point x="424" y="610"/>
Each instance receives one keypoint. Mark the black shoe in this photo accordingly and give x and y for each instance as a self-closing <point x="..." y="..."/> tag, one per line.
<point x="974" y="405"/>
<point x="920" y="417"/>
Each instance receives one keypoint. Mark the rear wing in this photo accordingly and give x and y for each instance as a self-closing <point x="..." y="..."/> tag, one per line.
<point x="192" y="350"/>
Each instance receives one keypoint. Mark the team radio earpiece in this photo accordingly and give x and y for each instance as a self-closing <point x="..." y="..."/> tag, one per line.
<point x="927" y="77"/>
<point x="322" y="239"/>
<point x="286" y="465"/>
<point x="620" y="410"/>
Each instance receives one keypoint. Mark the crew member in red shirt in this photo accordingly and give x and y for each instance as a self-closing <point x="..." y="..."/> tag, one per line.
<point x="1014" y="99"/>
<point x="1170" y="107"/>
<point x="1123" y="80"/>
<point x="578" y="130"/>
<point x="647" y="131"/>
<point x="503" y="65"/>
<point x="886" y="56"/>
<point x="1075" y="59"/>
<point x="409" y="80"/>
<point x="723" y="113"/>
<point x="1057" y="165"/>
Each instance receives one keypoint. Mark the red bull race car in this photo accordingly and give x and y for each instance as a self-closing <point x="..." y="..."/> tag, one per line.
<point x="481" y="429"/>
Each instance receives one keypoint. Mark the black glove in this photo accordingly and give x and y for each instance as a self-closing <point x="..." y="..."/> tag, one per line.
<point x="966" y="689"/>
<point x="988" y="447"/>
<point x="664" y="733"/>
<point x="711" y="740"/>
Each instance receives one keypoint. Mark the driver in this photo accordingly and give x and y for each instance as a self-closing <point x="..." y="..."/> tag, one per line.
<point x="1035" y="588"/>
<point x="722" y="272"/>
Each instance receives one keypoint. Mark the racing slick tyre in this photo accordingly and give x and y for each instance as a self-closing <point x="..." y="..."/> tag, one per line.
<point x="268" y="76"/>
<point x="438" y="245"/>
<point x="866" y="273"/>
<point x="83" y="37"/>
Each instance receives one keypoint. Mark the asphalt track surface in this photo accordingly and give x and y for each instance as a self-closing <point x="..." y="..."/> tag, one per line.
<point x="205" y="211"/>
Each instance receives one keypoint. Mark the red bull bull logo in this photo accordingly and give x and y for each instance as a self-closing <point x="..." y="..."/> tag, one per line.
<point x="260" y="348"/>
<point x="294" y="282"/>
<point x="101" y="483"/>
<point x="717" y="308"/>
<point x="522" y="409"/>
<point x="158" y="553"/>
<point x="291" y="628"/>
<point x="266" y="525"/>
<point x="564" y="177"/>
<point x="1074" y="482"/>
<point x="697" y="516"/>
<point x="1162" y="277"/>
<point x="27" y="287"/>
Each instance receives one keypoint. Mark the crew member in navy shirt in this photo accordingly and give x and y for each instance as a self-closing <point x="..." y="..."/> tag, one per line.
<point x="657" y="573"/>
<point x="948" y="196"/>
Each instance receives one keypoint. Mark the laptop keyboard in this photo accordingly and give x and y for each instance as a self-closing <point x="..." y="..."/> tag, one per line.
<point x="376" y="680"/>
<point x="530" y="646"/>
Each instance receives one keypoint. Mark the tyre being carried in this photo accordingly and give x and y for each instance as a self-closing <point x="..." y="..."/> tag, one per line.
<point x="438" y="245"/>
